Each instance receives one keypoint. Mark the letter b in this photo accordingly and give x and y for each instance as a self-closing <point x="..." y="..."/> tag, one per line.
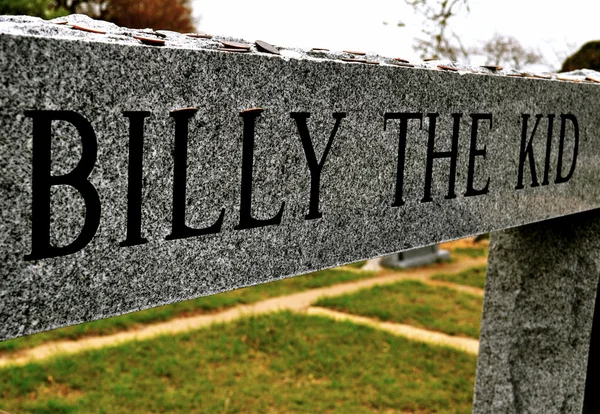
<point x="42" y="181"/>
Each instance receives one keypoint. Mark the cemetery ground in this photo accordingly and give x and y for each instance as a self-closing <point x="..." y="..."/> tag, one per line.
<point x="339" y="340"/>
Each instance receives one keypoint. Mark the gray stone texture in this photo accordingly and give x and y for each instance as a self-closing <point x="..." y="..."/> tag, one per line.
<point x="46" y="66"/>
<point x="537" y="319"/>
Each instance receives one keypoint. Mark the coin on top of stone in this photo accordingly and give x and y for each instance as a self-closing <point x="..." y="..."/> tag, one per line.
<point x="199" y="35"/>
<point x="263" y="46"/>
<point x="492" y="67"/>
<point x="354" y="52"/>
<point x="87" y="29"/>
<point x="445" y="67"/>
<point x="235" y="45"/>
<point x="151" y="41"/>
<point x="540" y="76"/>
<point x="354" y="60"/>
<point x="593" y="78"/>
<point x="568" y="78"/>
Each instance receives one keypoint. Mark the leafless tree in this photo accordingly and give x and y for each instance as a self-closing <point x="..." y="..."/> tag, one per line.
<point x="507" y="50"/>
<point x="440" y="40"/>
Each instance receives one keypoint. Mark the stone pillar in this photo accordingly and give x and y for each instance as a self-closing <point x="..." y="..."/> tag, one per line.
<point x="537" y="319"/>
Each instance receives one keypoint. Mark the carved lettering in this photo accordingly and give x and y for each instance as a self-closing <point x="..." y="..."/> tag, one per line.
<point x="563" y="126"/>
<point x="314" y="167"/>
<point x="77" y="178"/>
<point x="476" y="152"/>
<point x="179" y="229"/>
<point x="246" y="219"/>
<point x="134" y="182"/>
<point x="404" y="118"/>
<point x="527" y="152"/>
<point x="431" y="155"/>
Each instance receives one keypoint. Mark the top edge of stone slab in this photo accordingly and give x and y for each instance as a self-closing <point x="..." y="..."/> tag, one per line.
<point x="74" y="27"/>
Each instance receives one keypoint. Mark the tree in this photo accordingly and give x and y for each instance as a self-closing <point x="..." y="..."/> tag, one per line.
<point x="173" y="15"/>
<point x="502" y="50"/>
<point x="45" y="9"/>
<point x="588" y="57"/>
<point x="441" y="42"/>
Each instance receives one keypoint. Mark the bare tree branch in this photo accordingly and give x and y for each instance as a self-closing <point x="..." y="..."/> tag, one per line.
<point x="502" y="50"/>
<point x="440" y="41"/>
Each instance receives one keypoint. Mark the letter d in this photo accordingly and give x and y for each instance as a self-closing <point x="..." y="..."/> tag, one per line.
<point x="77" y="178"/>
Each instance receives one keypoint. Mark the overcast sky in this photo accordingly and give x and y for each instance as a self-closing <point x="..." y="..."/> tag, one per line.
<point x="552" y="27"/>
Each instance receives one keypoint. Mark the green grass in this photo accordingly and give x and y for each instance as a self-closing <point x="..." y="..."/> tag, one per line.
<point x="274" y="363"/>
<point x="474" y="276"/>
<point x="414" y="303"/>
<point x="357" y="265"/>
<point x="205" y="304"/>
<point x="473" y="252"/>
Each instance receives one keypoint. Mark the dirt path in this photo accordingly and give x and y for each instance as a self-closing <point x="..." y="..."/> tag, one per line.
<point x="472" y="290"/>
<point x="297" y="302"/>
<point x="417" y="334"/>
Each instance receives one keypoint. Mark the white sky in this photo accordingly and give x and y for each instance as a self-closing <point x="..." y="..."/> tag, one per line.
<point x="554" y="27"/>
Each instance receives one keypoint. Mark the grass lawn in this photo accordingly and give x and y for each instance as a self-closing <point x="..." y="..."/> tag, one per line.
<point x="205" y="304"/>
<point x="470" y="277"/>
<point x="273" y="363"/>
<point x="357" y="265"/>
<point x="473" y="252"/>
<point x="414" y="303"/>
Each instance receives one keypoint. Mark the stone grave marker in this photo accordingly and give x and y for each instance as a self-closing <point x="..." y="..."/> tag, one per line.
<point x="140" y="169"/>
<point x="416" y="257"/>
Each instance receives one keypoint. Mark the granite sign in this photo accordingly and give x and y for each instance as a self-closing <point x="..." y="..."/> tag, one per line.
<point x="140" y="168"/>
<point x="135" y="175"/>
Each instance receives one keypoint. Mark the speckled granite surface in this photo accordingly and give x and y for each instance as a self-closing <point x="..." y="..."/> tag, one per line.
<point x="537" y="320"/>
<point x="103" y="77"/>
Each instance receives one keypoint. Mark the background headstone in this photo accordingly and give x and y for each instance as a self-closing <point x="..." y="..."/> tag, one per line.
<point x="416" y="257"/>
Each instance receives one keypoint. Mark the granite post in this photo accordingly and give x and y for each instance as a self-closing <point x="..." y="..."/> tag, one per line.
<point x="537" y="320"/>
